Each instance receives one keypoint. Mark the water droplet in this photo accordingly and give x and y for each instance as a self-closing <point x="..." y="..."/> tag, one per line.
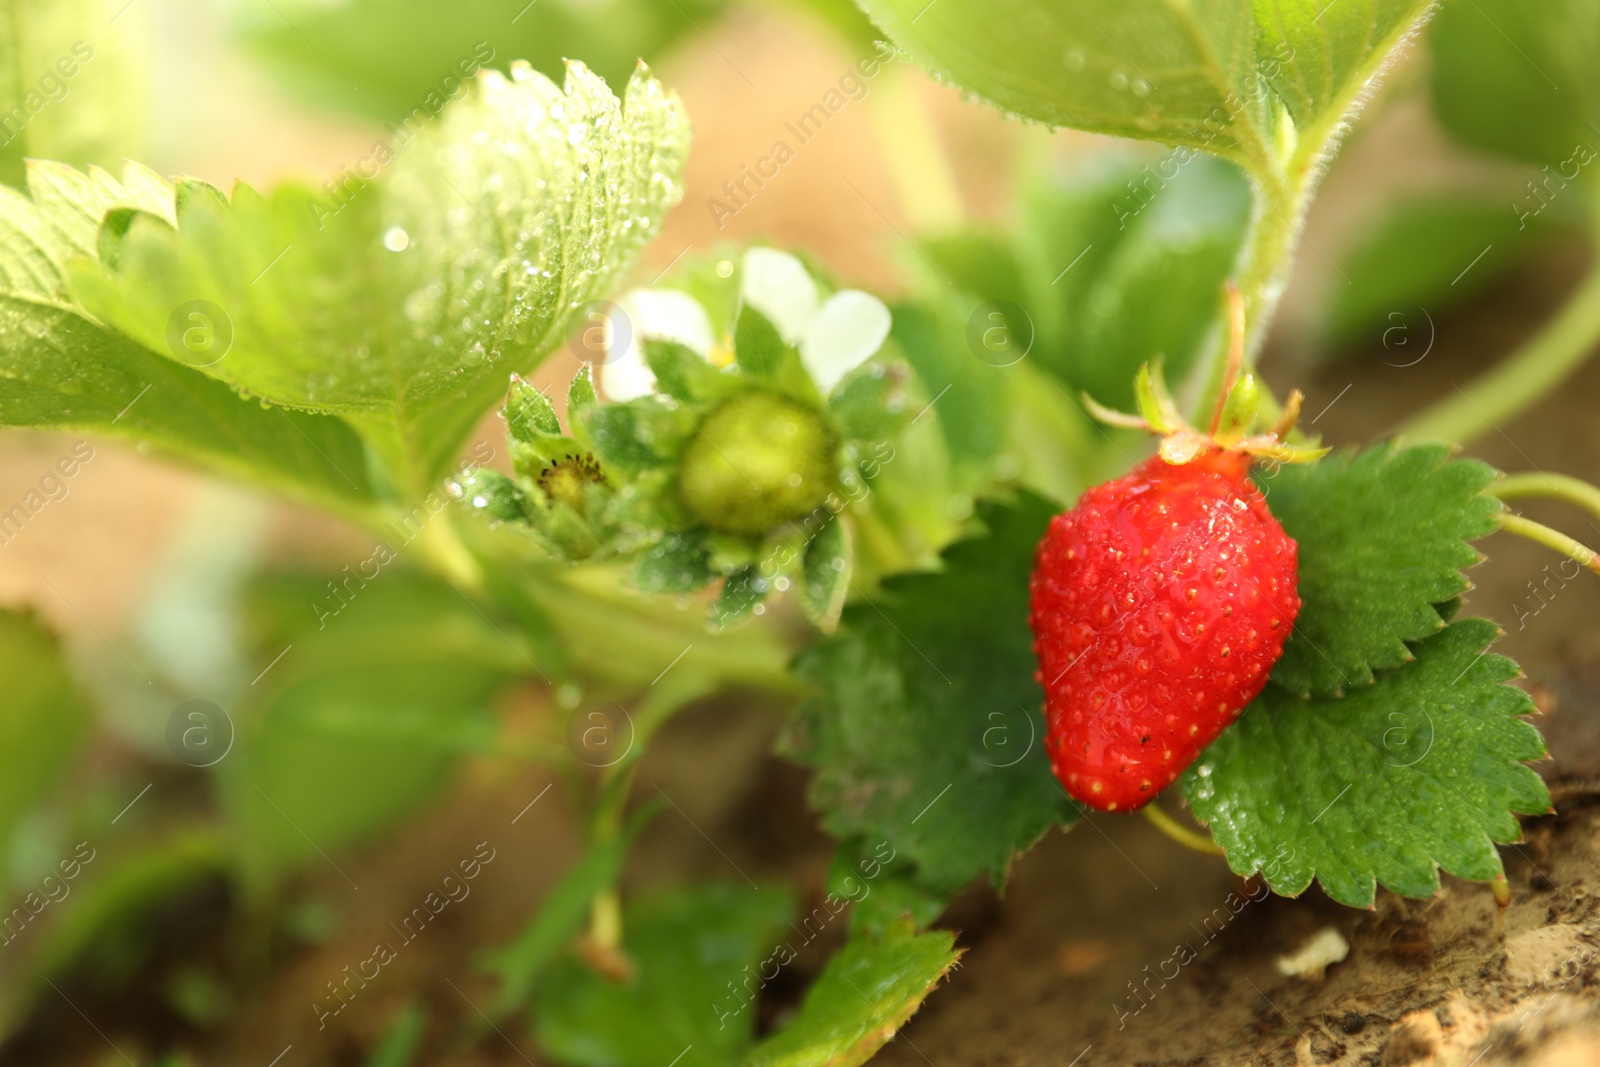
<point x="1141" y="87"/>
<point x="395" y="239"/>
<point x="1074" y="60"/>
<point x="1119" y="80"/>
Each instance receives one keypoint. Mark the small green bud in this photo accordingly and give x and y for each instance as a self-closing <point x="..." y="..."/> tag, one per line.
<point x="758" y="460"/>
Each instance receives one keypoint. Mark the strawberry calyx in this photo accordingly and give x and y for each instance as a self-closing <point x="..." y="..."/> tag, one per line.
<point x="1233" y="418"/>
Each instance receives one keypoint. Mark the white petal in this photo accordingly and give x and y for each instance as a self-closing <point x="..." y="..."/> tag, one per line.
<point x="626" y="377"/>
<point x="848" y="329"/>
<point x="669" y="315"/>
<point x="778" y="285"/>
<point x="657" y="315"/>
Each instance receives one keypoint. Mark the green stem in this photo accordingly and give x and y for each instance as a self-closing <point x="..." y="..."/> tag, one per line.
<point x="1181" y="833"/>
<point x="1522" y="378"/>
<point x="1551" y="539"/>
<point x="1555" y="486"/>
<point x="1282" y="193"/>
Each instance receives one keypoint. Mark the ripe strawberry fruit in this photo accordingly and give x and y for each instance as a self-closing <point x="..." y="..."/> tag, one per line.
<point x="1160" y="602"/>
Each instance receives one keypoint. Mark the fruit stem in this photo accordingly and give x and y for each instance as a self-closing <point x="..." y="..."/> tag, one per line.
<point x="1557" y="486"/>
<point x="1551" y="539"/>
<point x="1236" y="326"/>
<point x="1179" y="832"/>
<point x="1523" y="378"/>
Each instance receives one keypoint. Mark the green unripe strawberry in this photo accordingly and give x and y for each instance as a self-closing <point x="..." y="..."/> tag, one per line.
<point x="758" y="460"/>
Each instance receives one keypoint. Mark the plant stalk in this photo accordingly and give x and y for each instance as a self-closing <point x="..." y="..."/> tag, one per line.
<point x="1554" y="486"/>
<point x="1524" y="377"/>
<point x="1554" y="540"/>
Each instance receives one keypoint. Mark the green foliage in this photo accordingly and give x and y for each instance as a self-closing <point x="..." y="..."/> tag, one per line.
<point x="1519" y="79"/>
<point x="489" y="227"/>
<point x="1317" y="56"/>
<point x="1204" y="75"/>
<point x="862" y="997"/>
<point x="70" y="93"/>
<point x="1412" y="267"/>
<point x="1140" y="69"/>
<point x="925" y="728"/>
<point x="387" y="58"/>
<point x="525" y="961"/>
<point x="60" y="367"/>
<point x="1112" y="266"/>
<point x="382" y="684"/>
<point x="1382" y="538"/>
<point x="1419" y="771"/>
<point x="697" y="956"/>
<point x="46" y="716"/>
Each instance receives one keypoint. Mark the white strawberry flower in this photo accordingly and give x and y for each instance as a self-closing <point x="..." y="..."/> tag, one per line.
<point x="834" y="336"/>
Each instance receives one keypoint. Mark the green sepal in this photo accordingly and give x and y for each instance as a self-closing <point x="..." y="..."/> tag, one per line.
<point x="868" y="405"/>
<point x="758" y="348"/>
<point x="684" y="374"/>
<point x="580" y="398"/>
<point x="763" y="355"/>
<point x="825" y="574"/>
<point x="490" y="493"/>
<point x="741" y="592"/>
<point x="636" y="436"/>
<point x="1155" y="402"/>
<point x="1239" y="410"/>
<point x="529" y="414"/>
<point x="679" y="562"/>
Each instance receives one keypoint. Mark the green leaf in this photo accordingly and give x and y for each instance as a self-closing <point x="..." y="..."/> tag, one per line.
<point x="1174" y="73"/>
<point x="1412" y="268"/>
<point x="403" y="60"/>
<point x="862" y="997"/>
<point x="825" y="574"/>
<point x="61" y="369"/>
<point x="1318" y="56"/>
<point x="1519" y="79"/>
<point x="1157" y="287"/>
<point x="882" y="886"/>
<point x="382" y="683"/>
<point x="69" y="93"/>
<point x="925" y="731"/>
<point x="402" y="306"/>
<point x="1383" y="539"/>
<point x="46" y="716"/>
<point x="1422" y="770"/>
<point x="692" y="950"/>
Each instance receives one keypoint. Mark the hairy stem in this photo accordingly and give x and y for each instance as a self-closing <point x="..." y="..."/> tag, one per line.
<point x="1554" y="486"/>
<point x="1551" y="539"/>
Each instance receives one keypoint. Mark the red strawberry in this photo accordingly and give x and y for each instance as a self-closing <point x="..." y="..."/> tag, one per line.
<point x="1160" y="602"/>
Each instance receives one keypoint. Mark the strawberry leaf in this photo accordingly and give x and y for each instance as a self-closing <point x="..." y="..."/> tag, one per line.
<point x="401" y="304"/>
<point x="697" y="956"/>
<point x="1383" y="537"/>
<point x="864" y="994"/>
<point x="1420" y="771"/>
<point x="60" y="368"/>
<point x="926" y="729"/>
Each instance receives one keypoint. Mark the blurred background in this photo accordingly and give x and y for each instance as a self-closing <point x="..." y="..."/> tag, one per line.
<point x="177" y="950"/>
